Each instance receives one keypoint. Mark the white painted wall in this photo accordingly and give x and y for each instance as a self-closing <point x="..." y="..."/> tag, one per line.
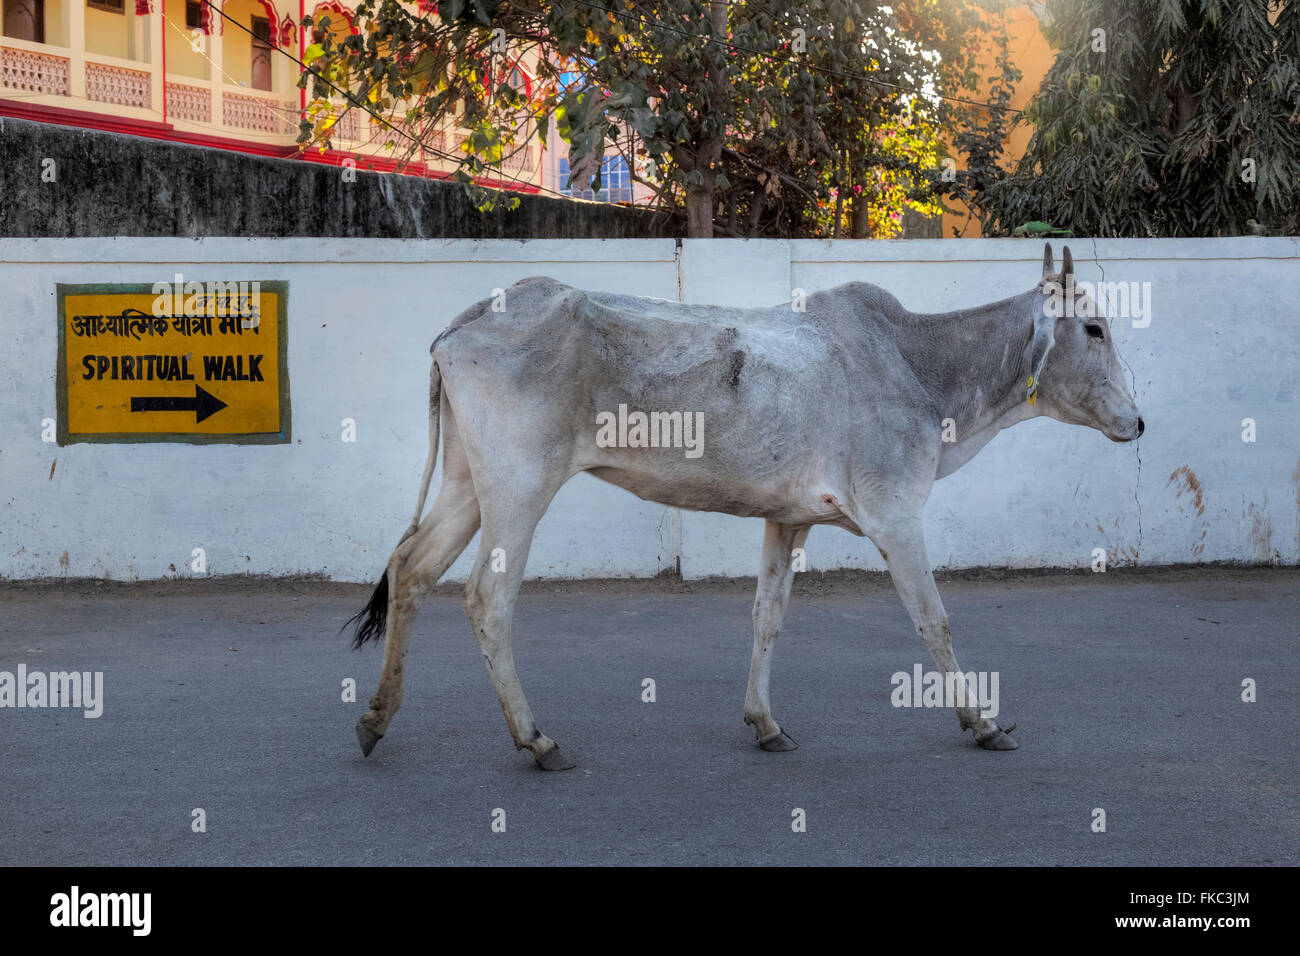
<point x="1223" y="345"/>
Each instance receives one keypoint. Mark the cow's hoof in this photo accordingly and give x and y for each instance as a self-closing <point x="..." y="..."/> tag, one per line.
<point x="554" y="759"/>
<point x="998" y="739"/>
<point x="781" y="743"/>
<point x="366" y="737"/>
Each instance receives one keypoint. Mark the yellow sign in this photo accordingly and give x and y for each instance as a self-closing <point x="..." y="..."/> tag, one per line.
<point x="180" y="361"/>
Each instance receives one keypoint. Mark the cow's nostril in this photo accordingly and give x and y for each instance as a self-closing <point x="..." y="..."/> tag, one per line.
<point x="1142" y="426"/>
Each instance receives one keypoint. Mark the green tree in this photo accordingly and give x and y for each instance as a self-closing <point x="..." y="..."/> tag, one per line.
<point x="1162" y="118"/>
<point x="980" y="131"/>
<point x="752" y="116"/>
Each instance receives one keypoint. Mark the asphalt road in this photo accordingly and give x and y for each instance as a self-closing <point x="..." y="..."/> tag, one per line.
<point x="1126" y="690"/>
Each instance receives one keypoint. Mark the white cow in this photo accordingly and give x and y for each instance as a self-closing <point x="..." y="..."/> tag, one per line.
<point x="832" y="416"/>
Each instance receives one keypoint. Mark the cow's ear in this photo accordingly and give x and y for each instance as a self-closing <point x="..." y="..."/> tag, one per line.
<point x="1044" y="339"/>
<point x="1067" y="263"/>
<point x="1049" y="267"/>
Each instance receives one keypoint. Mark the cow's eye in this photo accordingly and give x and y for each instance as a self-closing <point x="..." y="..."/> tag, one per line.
<point x="1095" y="331"/>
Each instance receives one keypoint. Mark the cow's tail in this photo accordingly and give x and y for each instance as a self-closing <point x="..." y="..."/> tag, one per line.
<point x="371" y="620"/>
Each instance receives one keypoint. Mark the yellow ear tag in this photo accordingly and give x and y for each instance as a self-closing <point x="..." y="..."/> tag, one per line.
<point x="1033" y="395"/>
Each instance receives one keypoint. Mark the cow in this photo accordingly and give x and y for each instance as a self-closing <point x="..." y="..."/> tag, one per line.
<point x="831" y="415"/>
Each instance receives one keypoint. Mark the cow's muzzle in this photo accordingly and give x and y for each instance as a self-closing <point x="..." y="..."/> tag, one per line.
<point x="1130" y="431"/>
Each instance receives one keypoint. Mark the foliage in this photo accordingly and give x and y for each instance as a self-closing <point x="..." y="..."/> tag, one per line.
<point x="981" y="133"/>
<point x="1157" y="126"/>
<point x="758" y="117"/>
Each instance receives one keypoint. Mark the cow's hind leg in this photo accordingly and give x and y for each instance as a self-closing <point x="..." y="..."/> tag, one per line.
<point x="775" y="575"/>
<point x="508" y="525"/>
<point x="903" y="547"/>
<point x="414" y="568"/>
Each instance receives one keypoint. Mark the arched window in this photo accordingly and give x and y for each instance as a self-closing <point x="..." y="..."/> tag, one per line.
<point x="513" y="76"/>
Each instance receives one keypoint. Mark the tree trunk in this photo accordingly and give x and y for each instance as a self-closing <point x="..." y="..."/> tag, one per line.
<point x="699" y="195"/>
<point x="861" y="217"/>
<point x="708" y="151"/>
<point x="841" y="185"/>
<point x="756" y="211"/>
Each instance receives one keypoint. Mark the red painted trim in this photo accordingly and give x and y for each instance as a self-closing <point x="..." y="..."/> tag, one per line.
<point x="211" y="21"/>
<point x="274" y="20"/>
<point x="162" y="30"/>
<point x="69" y="117"/>
<point x="62" y="116"/>
<point x="232" y="145"/>
<point x="302" y="48"/>
<point x="287" y="30"/>
<point x="333" y="6"/>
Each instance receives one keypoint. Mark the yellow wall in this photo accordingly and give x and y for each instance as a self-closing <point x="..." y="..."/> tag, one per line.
<point x="182" y="58"/>
<point x="236" y="45"/>
<point x="107" y="33"/>
<point x="1032" y="56"/>
<point x="55" y="34"/>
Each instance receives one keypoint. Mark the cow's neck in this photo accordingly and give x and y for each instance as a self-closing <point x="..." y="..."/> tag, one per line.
<point x="981" y="379"/>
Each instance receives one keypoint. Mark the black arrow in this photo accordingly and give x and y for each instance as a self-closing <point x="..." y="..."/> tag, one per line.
<point x="202" y="404"/>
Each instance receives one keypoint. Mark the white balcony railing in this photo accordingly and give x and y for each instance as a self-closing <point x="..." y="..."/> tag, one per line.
<point x="258" y="113"/>
<point x="34" y="72"/>
<point x="192" y="103"/>
<point x="114" y="84"/>
<point x="349" y="126"/>
<point x="523" y="160"/>
<point x="26" y="67"/>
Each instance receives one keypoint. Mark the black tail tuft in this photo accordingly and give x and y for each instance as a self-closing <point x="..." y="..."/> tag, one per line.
<point x="372" y="618"/>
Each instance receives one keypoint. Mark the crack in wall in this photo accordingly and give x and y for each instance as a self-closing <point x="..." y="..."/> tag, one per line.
<point x="1137" y="444"/>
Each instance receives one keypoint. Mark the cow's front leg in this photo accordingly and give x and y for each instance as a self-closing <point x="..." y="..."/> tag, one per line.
<point x="775" y="575"/>
<point x="902" y="546"/>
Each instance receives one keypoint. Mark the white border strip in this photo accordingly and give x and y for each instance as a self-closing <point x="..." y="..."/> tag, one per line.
<point x="144" y="250"/>
<point x="1005" y="250"/>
